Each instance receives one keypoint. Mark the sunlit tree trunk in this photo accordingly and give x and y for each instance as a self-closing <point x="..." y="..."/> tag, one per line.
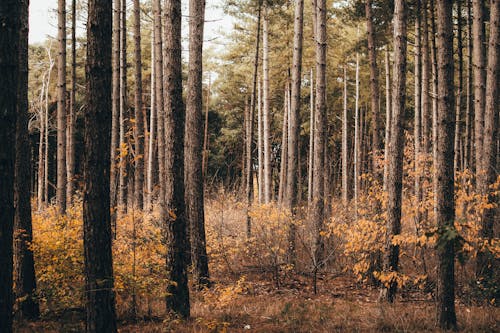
<point x="152" y="131"/>
<point x="356" y="136"/>
<point x="99" y="285"/>
<point x="24" y="265"/>
<point x="469" y="98"/>
<point x="260" y="144"/>
<point x="61" y="107"/>
<point x="445" y="204"/>
<point x="388" y="115"/>
<point x="122" y="186"/>
<point x="284" y="148"/>
<point x="395" y="172"/>
<point x="265" y="110"/>
<point x="426" y="73"/>
<point x="345" y="166"/>
<point x="311" y="144"/>
<point x="115" y="100"/>
<point x="417" y="128"/>
<point x="70" y="134"/>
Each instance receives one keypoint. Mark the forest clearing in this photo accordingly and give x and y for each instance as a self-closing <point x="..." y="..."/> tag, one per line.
<point x="250" y="166"/>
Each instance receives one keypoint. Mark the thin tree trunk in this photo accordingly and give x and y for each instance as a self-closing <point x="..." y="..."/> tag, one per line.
<point x="469" y="98"/>
<point x="115" y="100"/>
<point x="193" y="146"/>
<point x="61" y="107"/>
<point x="344" y="144"/>
<point x="374" y="87"/>
<point x="318" y="209"/>
<point x="205" y="133"/>
<point x="311" y="144"/>
<point x="293" y="164"/>
<point x="485" y="265"/>
<point x="70" y="134"/>
<point x="139" y="121"/>
<point x="249" y="143"/>
<point x="417" y="113"/>
<point x="24" y="265"/>
<point x="41" y="168"/>
<point x="152" y="136"/>
<point x="284" y="148"/>
<point x="458" y="127"/>
<point x="395" y="174"/>
<point x="356" y="137"/>
<point x="388" y="116"/>
<point x="479" y="63"/>
<point x="426" y="71"/>
<point x="122" y="186"/>
<point x="260" y="143"/>
<point x="265" y="110"/>
<point x="445" y="204"/>
<point x="100" y="297"/>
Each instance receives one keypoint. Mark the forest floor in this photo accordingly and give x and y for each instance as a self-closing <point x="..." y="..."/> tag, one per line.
<point x="254" y="305"/>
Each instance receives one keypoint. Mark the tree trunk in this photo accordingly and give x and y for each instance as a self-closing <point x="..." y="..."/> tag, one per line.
<point x="485" y="260"/>
<point x="445" y="204"/>
<point x="139" y="121"/>
<point x="115" y="100"/>
<point x="458" y="126"/>
<point x="317" y="209"/>
<point x="396" y="146"/>
<point x="61" y="107"/>
<point x="260" y="144"/>
<point x="249" y="143"/>
<point x="374" y="87"/>
<point x="152" y="136"/>
<point x="479" y="63"/>
<point x="265" y="110"/>
<point x="70" y="134"/>
<point x="469" y="98"/>
<point x="356" y="137"/>
<point x="24" y="265"/>
<point x="417" y="113"/>
<point x="41" y="143"/>
<point x="426" y="71"/>
<point x="388" y="116"/>
<point x="344" y="144"/>
<point x="123" y="148"/>
<point x="204" y="164"/>
<point x="284" y="147"/>
<point x="193" y="145"/>
<point x="311" y="144"/>
<point x="175" y="224"/>
<point x="10" y="18"/>
<point x="294" y="124"/>
<point x="100" y="298"/>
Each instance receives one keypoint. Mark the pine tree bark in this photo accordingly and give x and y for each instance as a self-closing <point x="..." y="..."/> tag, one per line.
<point x="310" y="164"/>
<point x="10" y="18"/>
<point x="122" y="185"/>
<point x="139" y="120"/>
<point x="374" y="86"/>
<point x="100" y="298"/>
<point x="61" y="107"/>
<point x="396" y="146"/>
<point x="388" y="116"/>
<point x="193" y="145"/>
<point x="70" y="134"/>
<point x="115" y="100"/>
<point x="265" y="110"/>
<point x="445" y="203"/>
<point x="260" y="144"/>
<point x="152" y="129"/>
<point x="417" y="114"/>
<point x="426" y="73"/>
<point x="357" y="145"/>
<point x="249" y="142"/>
<point x="175" y="226"/>
<point x="469" y="98"/>
<point x="344" y="145"/>
<point x="24" y="265"/>
<point x="317" y="208"/>
<point x="284" y="148"/>
<point x="294" y="125"/>
<point x="479" y="63"/>
<point x="485" y="260"/>
<point x="460" y="71"/>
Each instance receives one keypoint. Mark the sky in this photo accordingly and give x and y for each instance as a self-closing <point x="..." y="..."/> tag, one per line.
<point x="43" y="21"/>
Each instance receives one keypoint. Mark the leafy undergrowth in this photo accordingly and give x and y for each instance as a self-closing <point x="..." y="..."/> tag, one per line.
<point x="248" y="304"/>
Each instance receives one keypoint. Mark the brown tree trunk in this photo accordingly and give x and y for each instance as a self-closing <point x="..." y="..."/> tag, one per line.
<point x="388" y="115"/>
<point x="395" y="172"/>
<point x="100" y="298"/>
<point x="310" y="164"/>
<point x="485" y="260"/>
<point x="417" y="120"/>
<point x="122" y="183"/>
<point x="445" y="204"/>
<point x="24" y="265"/>
<point x="70" y="134"/>
<point x="61" y="108"/>
<point x="426" y="73"/>
<point x="294" y="124"/>
<point x="115" y="100"/>
<point x="249" y="142"/>
<point x="317" y="208"/>
<point x="139" y="120"/>
<point x="345" y="166"/>
<point x="284" y="148"/>
<point x="193" y="145"/>
<point x="10" y="18"/>
<point x="374" y="87"/>
<point x="268" y="195"/>
<point x="479" y="63"/>
<point x="458" y="116"/>
<point x="469" y="98"/>
<point x="175" y="226"/>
